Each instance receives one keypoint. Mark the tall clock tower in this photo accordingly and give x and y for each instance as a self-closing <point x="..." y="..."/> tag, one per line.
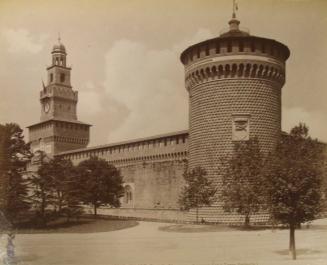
<point x="58" y="129"/>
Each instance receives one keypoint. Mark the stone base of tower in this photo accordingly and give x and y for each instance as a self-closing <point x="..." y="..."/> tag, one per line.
<point x="164" y="215"/>
<point x="212" y="215"/>
<point x="216" y="214"/>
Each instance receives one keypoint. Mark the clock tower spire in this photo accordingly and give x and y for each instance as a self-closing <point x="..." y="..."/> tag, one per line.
<point x="58" y="99"/>
<point x="59" y="129"/>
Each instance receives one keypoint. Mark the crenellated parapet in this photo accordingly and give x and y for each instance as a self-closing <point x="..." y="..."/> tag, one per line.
<point x="235" y="55"/>
<point x="59" y="92"/>
<point x="235" y="43"/>
<point x="162" y="148"/>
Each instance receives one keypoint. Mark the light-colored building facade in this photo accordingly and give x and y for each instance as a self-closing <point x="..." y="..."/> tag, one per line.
<point x="234" y="85"/>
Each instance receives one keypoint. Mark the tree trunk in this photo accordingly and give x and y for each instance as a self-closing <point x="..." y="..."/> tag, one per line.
<point x="292" y="241"/>
<point x="43" y="205"/>
<point x="95" y="210"/>
<point x="247" y="220"/>
<point x="59" y="201"/>
<point x="197" y="214"/>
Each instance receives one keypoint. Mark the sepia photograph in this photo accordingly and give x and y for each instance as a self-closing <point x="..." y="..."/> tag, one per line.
<point x="163" y="132"/>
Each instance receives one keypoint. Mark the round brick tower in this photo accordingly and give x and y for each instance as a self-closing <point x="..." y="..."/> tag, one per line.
<point x="234" y="83"/>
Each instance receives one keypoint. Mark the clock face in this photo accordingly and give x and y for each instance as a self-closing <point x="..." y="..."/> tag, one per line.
<point x="46" y="107"/>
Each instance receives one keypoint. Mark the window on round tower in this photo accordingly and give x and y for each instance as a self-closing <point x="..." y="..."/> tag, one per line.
<point x="51" y="77"/>
<point x="218" y="47"/>
<point x="207" y="50"/>
<point x="252" y="47"/>
<point x="229" y="47"/>
<point x="241" y="47"/>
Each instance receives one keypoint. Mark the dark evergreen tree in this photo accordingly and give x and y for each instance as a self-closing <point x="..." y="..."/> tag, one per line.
<point x="243" y="179"/>
<point x="198" y="191"/>
<point x="101" y="183"/>
<point x="14" y="156"/>
<point x="294" y="178"/>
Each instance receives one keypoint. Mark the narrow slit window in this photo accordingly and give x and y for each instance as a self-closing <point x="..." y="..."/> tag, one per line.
<point x="62" y="78"/>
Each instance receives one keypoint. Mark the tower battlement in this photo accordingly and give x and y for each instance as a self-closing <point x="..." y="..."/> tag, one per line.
<point x="59" y="92"/>
<point x="235" y="55"/>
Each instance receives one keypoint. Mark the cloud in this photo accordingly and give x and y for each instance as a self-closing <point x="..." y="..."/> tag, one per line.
<point x="146" y="82"/>
<point x="150" y="84"/>
<point x="316" y="121"/>
<point x="200" y="35"/>
<point x="22" y="41"/>
<point x="89" y="103"/>
<point x="98" y="108"/>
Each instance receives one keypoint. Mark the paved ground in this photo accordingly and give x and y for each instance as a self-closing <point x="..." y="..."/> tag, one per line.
<point x="146" y="244"/>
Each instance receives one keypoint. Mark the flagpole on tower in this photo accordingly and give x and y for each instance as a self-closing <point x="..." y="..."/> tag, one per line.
<point x="235" y="8"/>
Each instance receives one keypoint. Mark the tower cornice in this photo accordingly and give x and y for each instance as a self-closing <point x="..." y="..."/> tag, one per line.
<point x="59" y="66"/>
<point x="219" y="46"/>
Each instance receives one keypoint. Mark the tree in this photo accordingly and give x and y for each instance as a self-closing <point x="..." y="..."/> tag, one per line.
<point x="14" y="156"/>
<point x="198" y="190"/>
<point x="60" y="173"/>
<point x="73" y="195"/>
<point x="41" y="184"/>
<point x="56" y="187"/>
<point x="293" y="176"/>
<point x="101" y="183"/>
<point x="242" y="178"/>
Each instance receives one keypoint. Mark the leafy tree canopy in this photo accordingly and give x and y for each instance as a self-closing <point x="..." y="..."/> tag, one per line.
<point x="294" y="180"/>
<point x="198" y="190"/>
<point x="294" y="176"/>
<point x="102" y="183"/>
<point x="242" y="175"/>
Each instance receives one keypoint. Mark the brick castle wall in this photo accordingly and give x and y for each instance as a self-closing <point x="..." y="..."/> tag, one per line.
<point x="152" y="168"/>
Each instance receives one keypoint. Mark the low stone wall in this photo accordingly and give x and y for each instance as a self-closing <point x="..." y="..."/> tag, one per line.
<point x="216" y="214"/>
<point x="171" y="215"/>
<point x="205" y="214"/>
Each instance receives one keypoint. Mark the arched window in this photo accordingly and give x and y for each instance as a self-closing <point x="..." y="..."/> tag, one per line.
<point x="128" y="194"/>
<point x="51" y="77"/>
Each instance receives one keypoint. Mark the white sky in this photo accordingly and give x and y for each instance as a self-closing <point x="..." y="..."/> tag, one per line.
<point x="125" y="58"/>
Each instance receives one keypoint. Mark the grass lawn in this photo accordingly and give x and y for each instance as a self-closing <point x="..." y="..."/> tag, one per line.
<point x="194" y="228"/>
<point x="82" y="225"/>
